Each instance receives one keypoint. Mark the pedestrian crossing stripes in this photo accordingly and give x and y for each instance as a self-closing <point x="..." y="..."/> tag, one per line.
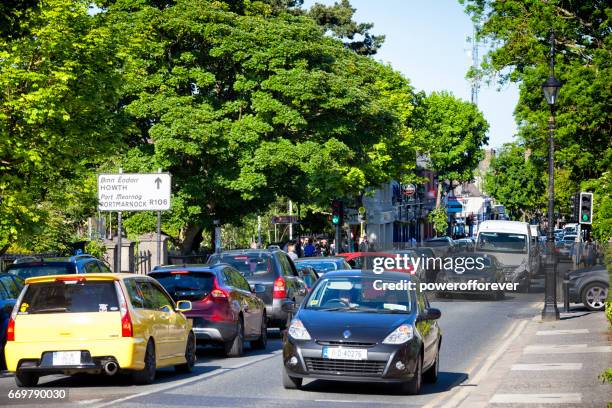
<point x="556" y="332"/>
<point x="547" y="367"/>
<point x="560" y="398"/>
<point x="566" y="349"/>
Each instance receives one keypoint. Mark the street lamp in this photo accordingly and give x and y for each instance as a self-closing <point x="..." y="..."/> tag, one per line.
<point x="551" y="89"/>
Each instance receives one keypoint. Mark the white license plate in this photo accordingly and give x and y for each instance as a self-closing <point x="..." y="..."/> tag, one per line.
<point x="340" y="353"/>
<point x="66" y="358"/>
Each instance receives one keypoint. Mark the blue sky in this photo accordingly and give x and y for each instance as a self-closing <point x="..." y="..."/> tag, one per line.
<point x="427" y="42"/>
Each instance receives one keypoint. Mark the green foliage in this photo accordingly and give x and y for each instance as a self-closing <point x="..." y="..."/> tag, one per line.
<point x="518" y="32"/>
<point x="439" y="219"/>
<point x="451" y="132"/>
<point x="96" y="248"/>
<point x="57" y="100"/>
<point x="602" y="206"/>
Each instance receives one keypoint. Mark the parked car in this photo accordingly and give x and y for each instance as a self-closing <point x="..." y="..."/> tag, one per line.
<point x="589" y="286"/>
<point x="323" y="264"/>
<point x="350" y="329"/>
<point x="97" y="323"/>
<point x="464" y="244"/>
<point x="225" y="309"/>
<point x="565" y="248"/>
<point x="10" y="288"/>
<point x="308" y="275"/>
<point x="491" y="272"/>
<point x="366" y="261"/>
<point x="275" y="271"/>
<point x="442" y="246"/>
<point x="58" y="266"/>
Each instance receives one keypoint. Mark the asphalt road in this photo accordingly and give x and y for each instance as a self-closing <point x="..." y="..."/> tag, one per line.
<point x="472" y="330"/>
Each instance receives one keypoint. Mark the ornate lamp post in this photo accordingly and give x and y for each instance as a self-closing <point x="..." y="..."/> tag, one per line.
<point x="551" y="89"/>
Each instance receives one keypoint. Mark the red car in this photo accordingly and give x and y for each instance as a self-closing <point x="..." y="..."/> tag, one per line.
<point x="225" y="309"/>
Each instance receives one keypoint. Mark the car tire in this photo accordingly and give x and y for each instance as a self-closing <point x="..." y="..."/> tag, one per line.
<point x="500" y="295"/>
<point x="413" y="387"/>
<point x="431" y="375"/>
<point x="26" y="379"/>
<point x="262" y="341"/>
<point x="147" y="374"/>
<point x="291" y="383"/>
<point x="235" y="347"/>
<point x="190" y="356"/>
<point x="594" y="296"/>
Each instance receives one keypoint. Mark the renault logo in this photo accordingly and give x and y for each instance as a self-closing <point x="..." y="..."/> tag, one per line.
<point x="346" y="334"/>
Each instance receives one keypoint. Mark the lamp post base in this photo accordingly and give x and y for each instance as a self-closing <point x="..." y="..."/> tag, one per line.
<point x="550" y="313"/>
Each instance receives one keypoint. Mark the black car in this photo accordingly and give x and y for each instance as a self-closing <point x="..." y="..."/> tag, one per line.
<point x="10" y="288"/>
<point x="275" y="271"/>
<point x="353" y="327"/>
<point x="323" y="264"/>
<point x="57" y="266"/>
<point x="485" y="268"/>
<point x="224" y="308"/>
<point x="589" y="286"/>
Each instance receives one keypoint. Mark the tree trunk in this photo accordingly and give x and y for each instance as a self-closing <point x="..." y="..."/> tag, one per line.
<point x="192" y="238"/>
<point x="439" y="195"/>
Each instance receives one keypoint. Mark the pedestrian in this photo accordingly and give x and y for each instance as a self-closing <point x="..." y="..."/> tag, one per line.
<point x="363" y="244"/>
<point x="309" y="248"/>
<point x="291" y="252"/>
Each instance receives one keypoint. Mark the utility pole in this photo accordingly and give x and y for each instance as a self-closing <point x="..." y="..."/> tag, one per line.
<point x="290" y="223"/>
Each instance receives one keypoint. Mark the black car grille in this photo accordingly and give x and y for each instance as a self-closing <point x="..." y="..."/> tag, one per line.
<point x="340" y="367"/>
<point x="345" y="343"/>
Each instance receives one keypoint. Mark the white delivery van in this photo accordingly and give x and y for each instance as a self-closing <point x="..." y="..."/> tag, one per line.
<point x="510" y="242"/>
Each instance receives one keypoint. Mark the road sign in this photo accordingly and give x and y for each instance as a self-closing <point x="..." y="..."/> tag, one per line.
<point x="134" y="192"/>
<point x="284" y="219"/>
<point x="408" y="189"/>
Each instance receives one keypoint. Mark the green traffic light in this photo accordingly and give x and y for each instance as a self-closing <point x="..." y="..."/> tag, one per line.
<point x="335" y="219"/>
<point x="585" y="217"/>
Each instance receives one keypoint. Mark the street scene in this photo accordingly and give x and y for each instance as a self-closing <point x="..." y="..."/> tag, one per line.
<point x="305" y="203"/>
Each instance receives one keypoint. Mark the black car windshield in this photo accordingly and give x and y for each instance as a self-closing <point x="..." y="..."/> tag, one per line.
<point x="25" y="271"/>
<point x="502" y="242"/>
<point x="359" y="293"/>
<point x="185" y="285"/>
<point x="70" y="297"/>
<point x="246" y="264"/>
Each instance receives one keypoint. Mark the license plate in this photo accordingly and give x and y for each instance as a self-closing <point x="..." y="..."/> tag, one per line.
<point x="66" y="358"/>
<point x="341" y="353"/>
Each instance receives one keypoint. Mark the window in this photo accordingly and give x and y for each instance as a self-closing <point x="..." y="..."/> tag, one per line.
<point x="186" y="286"/>
<point x="103" y="267"/>
<point x="92" y="267"/>
<point x="134" y="293"/>
<point x="11" y="287"/>
<point x="285" y="265"/>
<point x="70" y="297"/>
<point x="239" y="280"/>
<point x="155" y="296"/>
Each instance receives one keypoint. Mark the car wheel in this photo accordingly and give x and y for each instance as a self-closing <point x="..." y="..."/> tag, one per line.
<point x="431" y="375"/>
<point x="147" y="374"/>
<point x="594" y="296"/>
<point x="500" y="295"/>
<point x="190" y="356"/>
<point x="262" y="341"/>
<point x="291" y="383"/>
<point x="413" y="387"/>
<point x="235" y="347"/>
<point x="26" y="379"/>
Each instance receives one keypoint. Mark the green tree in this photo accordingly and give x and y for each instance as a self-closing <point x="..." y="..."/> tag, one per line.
<point x="515" y="182"/>
<point x="239" y="107"/>
<point x="58" y="95"/>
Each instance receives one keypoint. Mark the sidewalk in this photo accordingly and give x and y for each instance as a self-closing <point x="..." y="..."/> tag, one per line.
<point x="548" y="364"/>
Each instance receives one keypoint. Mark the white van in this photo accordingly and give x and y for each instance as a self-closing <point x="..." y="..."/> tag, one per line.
<point x="511" y="243"/>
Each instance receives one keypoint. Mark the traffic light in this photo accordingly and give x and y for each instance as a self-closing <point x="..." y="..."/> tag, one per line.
<point x="574" y="202"/>
<point x="337" y="212"/>
<point x="586" y="208"/>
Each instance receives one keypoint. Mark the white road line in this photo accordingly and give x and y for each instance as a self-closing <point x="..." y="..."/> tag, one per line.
<point x="555" y="332"/>
<point x="561" y="398"/>
<point x="547" y="367"/>
<point x="84" y="402"/>
<point x="566" y="349"/>
<point x="179" y="383"/>
<point x="333" y="400"/>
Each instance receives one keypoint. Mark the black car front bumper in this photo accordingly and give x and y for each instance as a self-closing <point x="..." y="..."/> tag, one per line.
<point x="385" y="363"/>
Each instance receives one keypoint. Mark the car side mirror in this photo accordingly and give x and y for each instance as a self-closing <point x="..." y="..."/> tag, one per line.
<point x="289" y="306"/>
<point x="430" y="313"/>
<point x="183" y="306"/>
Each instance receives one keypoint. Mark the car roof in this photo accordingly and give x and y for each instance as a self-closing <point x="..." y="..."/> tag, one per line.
<point x="320" y="258"/>
<point x="503" y="226"/>
<point x="84" y="276"/>
<point x="364" y="272"/>
<point x="190" y="268"/>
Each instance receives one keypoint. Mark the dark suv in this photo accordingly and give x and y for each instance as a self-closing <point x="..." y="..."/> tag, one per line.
<point x="57" y="266"/>
<point x="275" y="271"/>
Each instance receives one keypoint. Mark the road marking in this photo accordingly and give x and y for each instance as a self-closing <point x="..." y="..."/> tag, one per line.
<point x="569" y="398"/>
<point x="333" y="400"/>
<point x="567" y="331"/>
<point x="189" y="380"/>
<point x="565" y="349"/>
<point x="546" y="367"/>
<point x="83" y="402"/>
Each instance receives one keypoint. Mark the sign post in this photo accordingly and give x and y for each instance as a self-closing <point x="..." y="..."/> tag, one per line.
<point x="134" y="192"/>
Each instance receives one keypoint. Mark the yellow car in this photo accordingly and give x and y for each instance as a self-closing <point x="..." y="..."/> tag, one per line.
<point x="97" y="323"/>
